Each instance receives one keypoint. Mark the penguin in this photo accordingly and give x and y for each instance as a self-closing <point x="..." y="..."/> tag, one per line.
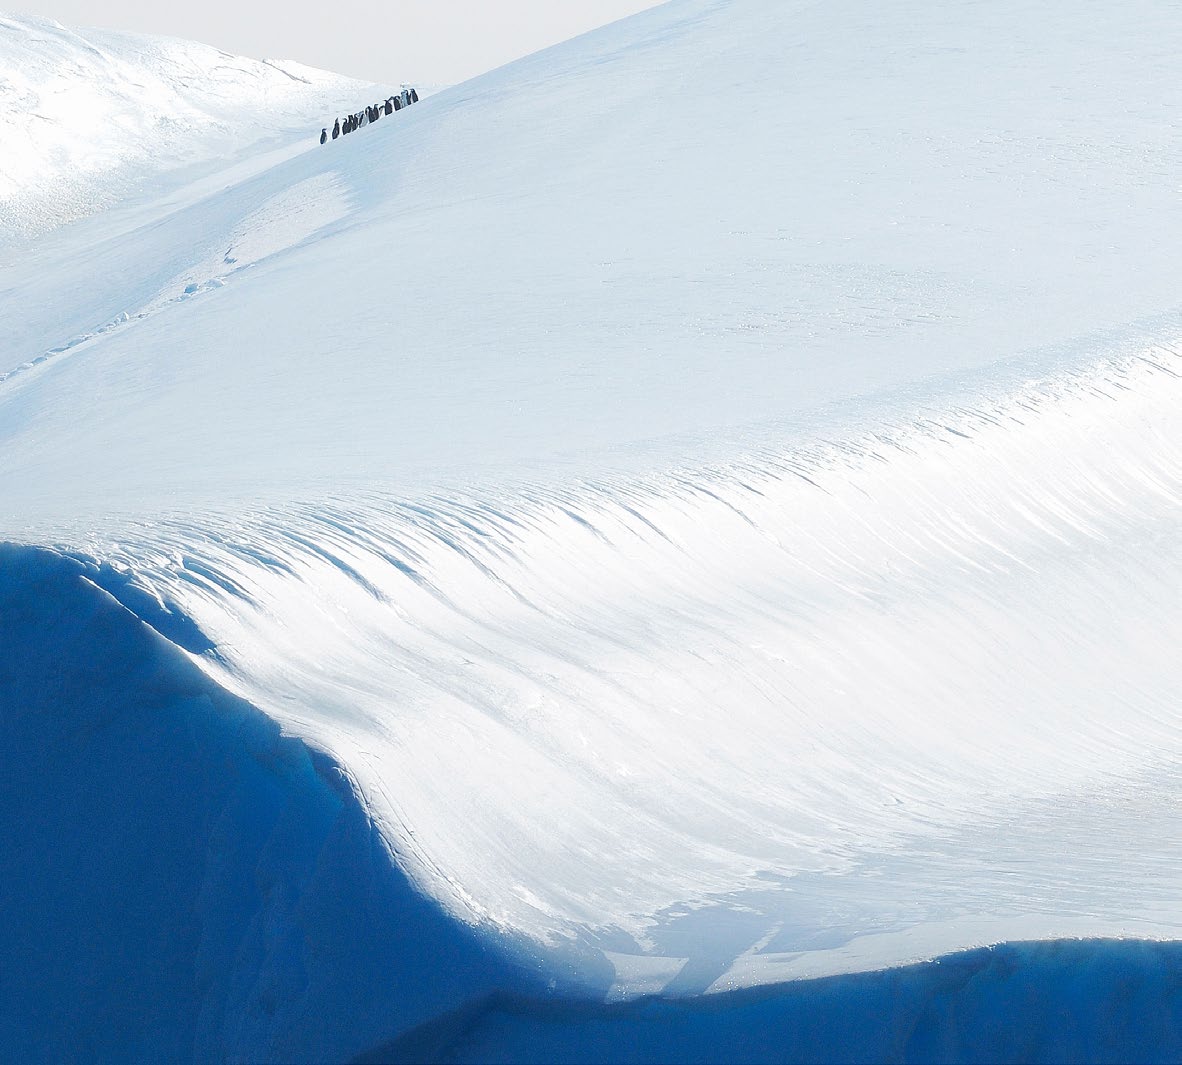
<point x="336" y="129"/>
<point x="389" y="107"/>
<point x="414" y="96"/>
<point x="397" y="104"/>
<point x="324" y="135"/>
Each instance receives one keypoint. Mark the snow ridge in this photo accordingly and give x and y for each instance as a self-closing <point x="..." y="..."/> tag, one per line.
<point x="680" y="541"/>
<point x="158" y="828"/>
<point x="878" y="601"/>
<point x="86" y="116"/>
<point x="720" y="729"/>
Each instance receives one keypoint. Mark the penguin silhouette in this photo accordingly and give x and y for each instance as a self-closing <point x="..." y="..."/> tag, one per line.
<point x="336" y="129"/>
<point x="324" y="135"/>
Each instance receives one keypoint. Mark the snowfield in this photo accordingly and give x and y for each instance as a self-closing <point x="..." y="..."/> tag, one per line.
<point x="692" y="511"/>
<point x="88" y="117"/>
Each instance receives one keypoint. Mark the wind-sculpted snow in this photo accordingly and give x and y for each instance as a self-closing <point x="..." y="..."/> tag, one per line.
<point x="852" y="705"/>
<point x="855" y="704"/>
<point x="180" y="881"/>
<point x="691" y="511"/>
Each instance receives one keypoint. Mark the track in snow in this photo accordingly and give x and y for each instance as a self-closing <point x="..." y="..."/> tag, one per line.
<point x="666" y="541"/>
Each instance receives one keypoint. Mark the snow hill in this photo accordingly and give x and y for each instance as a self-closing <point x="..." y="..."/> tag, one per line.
<point x="688" y="512"/>
<point x="87" y="116"/>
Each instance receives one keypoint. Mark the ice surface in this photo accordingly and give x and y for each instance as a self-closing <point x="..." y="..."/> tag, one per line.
<point x="711" y="489"/>
<point x="1025" y="1002"/>
<point x="179" y="881"/>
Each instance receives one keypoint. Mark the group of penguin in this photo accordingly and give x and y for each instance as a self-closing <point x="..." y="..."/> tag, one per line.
<point x="371" y="113"/>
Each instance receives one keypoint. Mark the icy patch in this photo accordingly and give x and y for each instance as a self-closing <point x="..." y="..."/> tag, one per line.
<point x="641" y="974"/>
<point x="1030" y="1002"/>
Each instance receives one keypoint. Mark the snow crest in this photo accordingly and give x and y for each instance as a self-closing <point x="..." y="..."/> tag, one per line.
<point x="867" y="701"/>
<point x="736" y="718"/>
<point x="219" y="886"/>
<point x="87" y="115"/>
<point x="692" y="510"/>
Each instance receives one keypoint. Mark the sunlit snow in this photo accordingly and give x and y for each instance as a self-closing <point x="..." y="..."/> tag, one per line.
<point x="706" y="494"/>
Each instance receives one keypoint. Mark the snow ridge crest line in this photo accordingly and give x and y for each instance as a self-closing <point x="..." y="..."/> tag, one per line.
<point x="160" y="818"/>
<point x="578" y="633"/>
<point x="133" y="107"/>
<point x="595" y="635"/>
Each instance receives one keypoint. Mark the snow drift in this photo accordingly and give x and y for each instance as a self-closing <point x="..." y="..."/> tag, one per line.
<point x="692" y="510"/>
<point x="179" y="880"/>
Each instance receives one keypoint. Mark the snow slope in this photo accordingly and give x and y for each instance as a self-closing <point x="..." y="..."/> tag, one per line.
<point x="88" y="116"/>
<point x="710" y="490"/>
<point x="178" y="880"/>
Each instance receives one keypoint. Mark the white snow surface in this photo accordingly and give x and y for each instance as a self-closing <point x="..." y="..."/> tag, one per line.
<point x="87" y="117"/>
<point x="714" y="485"/>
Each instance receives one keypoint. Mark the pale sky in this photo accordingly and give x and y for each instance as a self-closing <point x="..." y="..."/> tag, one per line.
<point x="426" y="41"/>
